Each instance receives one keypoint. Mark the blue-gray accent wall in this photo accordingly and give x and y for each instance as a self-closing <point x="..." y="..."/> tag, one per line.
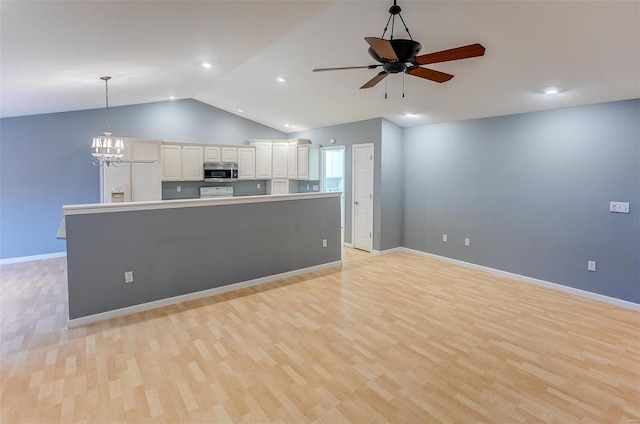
<point x="45" y="160"/>
<point x="369" y="131"/>
<point x="532" y="193"/>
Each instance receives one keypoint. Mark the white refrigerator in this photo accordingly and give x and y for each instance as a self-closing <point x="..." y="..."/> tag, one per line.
<point x="131" y="182"/>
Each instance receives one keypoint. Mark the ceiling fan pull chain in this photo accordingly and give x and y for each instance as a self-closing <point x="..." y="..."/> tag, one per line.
<point x="403" y="85"/>
<point x="385" y="89"/>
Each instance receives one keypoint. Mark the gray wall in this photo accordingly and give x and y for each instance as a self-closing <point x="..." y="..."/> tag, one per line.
<point x="391" y="186"/>
<point x="178" y="251"/>
<point x="368" y="131"/>
<point x="45" y="160"/>
<point x="532" y="193"/>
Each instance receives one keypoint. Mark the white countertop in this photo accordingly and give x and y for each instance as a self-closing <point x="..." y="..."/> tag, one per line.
<point x="187" y="203"/>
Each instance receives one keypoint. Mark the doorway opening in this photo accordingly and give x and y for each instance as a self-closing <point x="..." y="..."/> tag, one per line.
<point x="333" y="171"/>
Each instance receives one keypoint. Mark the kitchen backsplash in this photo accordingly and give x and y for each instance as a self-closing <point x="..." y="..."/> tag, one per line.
<point x="191" y="189"/>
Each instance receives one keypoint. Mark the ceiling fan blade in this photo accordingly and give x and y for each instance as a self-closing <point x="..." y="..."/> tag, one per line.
<point x="346" y="67"/>
<point x="429" y="74"/>
<point x="373" y="81"/>
<point x="382" y="47"/>
<point x="464" y="52"/>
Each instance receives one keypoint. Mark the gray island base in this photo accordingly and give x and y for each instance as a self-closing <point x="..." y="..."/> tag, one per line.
<point x="174" y="251"/>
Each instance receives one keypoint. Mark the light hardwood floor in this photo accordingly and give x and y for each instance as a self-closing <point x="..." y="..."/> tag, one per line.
<point x="395" y="338"/>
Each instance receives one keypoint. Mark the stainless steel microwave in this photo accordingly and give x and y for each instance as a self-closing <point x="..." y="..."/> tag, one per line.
<point x="220" y="171"/>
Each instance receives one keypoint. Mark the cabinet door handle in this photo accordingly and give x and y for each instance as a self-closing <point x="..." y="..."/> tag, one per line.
<point x="356" y="203"/>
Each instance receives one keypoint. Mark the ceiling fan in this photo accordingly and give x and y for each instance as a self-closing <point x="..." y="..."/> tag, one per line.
<point x="398" y="55"/>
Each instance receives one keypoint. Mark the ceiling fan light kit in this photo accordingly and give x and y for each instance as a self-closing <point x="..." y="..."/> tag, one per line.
<point x="401" y="55"/>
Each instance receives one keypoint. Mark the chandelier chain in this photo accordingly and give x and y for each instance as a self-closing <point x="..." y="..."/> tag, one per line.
<point x="106" y="90"/>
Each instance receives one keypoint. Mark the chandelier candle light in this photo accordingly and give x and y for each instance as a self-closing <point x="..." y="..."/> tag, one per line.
<point x="107" y="150"/>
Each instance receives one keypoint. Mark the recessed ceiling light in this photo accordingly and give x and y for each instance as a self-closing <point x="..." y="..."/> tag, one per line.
<point x="172" y="97"/>
<point x="281" y="79"/>
<point x="287" y="125"/>
<point x="240" y="110"/>
<point x="410" y="115"/>
<point x="206" y="65"/>
<point x="552" y="89"/>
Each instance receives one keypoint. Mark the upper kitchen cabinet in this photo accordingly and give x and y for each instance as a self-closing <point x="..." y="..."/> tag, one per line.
<point x="141" y="150"/>
<point x="246" y="163"/>
<point x="220" y="154"/>
<point x="146" y="151"/>
<point x="308" y="162"/>
<point x="212" y="154"/>
<point x="263" y="159"/>
<point x="280" y="155"/>
<point x="171" y="162"/>
<point x="192" y="163"/>
<point x="229" y="154"/>
<point x="182" y="163"/>
<point x="292" y="160"/>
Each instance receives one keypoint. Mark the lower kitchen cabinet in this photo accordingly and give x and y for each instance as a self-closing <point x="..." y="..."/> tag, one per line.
<point x="278" y="187"/>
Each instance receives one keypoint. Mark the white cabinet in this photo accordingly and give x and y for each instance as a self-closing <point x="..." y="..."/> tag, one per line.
<point x="141" y="150"/>
<point x="192" y="163"/>
<point x="308" y="162"/>
<point x="246" y="163"/>
<point x="229" y="154"/>
<point x="263" y="159"/>
<point x="171" y="163"/>
<point x="146" y="151"/>
<point x="182" y="163"/>
<point x="278" y="187"/>
<point x="212" y="154"/>
<point x="220" y="154"/>
<point x="280" y="155"/>
<point x="292" y="160"/>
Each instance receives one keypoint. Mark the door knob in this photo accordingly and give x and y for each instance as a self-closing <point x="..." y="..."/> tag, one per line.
<point x="356" y="203"/>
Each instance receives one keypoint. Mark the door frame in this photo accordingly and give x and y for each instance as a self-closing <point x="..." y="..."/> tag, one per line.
<point x="353" y="190"/>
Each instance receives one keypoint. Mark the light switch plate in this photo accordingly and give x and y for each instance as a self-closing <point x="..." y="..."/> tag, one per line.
<point x="619" y="207"/>
<point x="591" y="266"/>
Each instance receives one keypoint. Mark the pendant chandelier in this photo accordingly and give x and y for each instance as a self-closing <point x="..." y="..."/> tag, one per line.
<point x="107" y="150"/>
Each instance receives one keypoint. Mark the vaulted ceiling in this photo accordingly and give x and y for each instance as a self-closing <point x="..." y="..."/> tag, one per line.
<point x="53" y="53"/>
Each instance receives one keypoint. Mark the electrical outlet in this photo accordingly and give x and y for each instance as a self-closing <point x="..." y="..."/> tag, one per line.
<point x="591" y="266"/>
<point x="128" y="277"/>
<point x="258" y="186"/>
<point x="179" y="189"/>
<point x="444" y="237"/>
<point x="466" y="242"/>
<point x="324" y="242"/>
<point x="619" y="207"/>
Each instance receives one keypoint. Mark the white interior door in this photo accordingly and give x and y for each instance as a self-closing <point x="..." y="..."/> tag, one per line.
<point x="363" y="196"/>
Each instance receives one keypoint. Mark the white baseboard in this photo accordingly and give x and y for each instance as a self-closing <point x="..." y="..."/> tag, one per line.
<point x="350" y="245"/>
<point x="388" y="251"/>
<point x="524" y="279"/>
<point x="116" y="313"/>
<point x="32" y="258"/>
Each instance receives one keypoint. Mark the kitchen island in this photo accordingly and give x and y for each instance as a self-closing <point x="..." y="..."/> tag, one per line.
<point x="124" y="258"/>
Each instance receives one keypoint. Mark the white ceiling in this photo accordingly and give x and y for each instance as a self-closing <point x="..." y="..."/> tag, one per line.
<point x="53" y="53"/>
